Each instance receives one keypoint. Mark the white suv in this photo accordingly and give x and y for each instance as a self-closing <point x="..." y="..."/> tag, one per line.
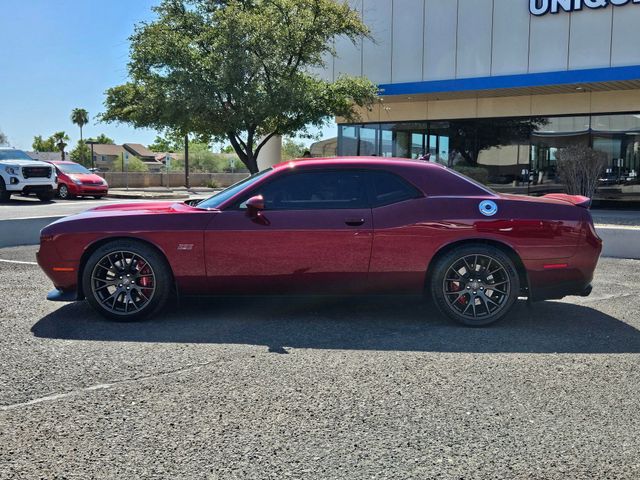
<point x="19" y="173"/>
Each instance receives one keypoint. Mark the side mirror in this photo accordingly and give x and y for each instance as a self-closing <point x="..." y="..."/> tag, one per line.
<point x="255" y="205"/>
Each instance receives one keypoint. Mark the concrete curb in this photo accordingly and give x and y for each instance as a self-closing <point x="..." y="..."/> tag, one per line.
<point x="619" y="241"/>
<point x="23" y="231"/>
<point x="161" y="196"/>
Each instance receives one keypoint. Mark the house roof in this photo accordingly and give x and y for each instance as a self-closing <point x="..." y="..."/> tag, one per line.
<point x="139" y="150"/>
<point x="107" y="149"/>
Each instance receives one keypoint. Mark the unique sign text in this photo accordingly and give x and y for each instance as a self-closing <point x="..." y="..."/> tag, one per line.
<point x="542" y="7"/>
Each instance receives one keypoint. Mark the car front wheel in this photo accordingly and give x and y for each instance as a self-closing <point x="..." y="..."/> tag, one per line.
<point x="63" y="192"/>
<point x="475" y="285"/>
<point x="126" y="280"/>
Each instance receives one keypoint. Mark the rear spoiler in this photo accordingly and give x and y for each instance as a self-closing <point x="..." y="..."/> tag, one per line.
<point x="577" y="200"/>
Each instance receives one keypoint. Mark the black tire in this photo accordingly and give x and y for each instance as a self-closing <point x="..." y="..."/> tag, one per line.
<point x="46" y="196"/>
<point x="5" y="195"/>
<point x="98" y="197"/>
<point x="63" y="192"/>
<point x="462" y="280"/>
<point x="105" y="269"/>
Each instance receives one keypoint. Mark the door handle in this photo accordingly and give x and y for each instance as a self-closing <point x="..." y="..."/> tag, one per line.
<point x="354" y="222"/>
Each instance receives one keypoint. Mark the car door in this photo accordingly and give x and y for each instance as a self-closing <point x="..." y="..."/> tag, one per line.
<point x="402" y="240"/>
<point x="313" y="236"/>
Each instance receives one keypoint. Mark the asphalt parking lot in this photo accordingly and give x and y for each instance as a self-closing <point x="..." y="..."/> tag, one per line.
<point x="319" y="388"/>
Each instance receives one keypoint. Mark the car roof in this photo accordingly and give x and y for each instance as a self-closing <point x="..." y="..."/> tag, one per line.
<point x="358" y="162"/>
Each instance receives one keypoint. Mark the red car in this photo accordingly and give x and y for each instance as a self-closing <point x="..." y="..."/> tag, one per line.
<point x="74" y="180"/>
<point x="330" y="226"/>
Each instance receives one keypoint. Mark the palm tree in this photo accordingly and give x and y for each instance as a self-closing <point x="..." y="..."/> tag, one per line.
<point x="80" y="117"/>
<point x="60" y="139"/>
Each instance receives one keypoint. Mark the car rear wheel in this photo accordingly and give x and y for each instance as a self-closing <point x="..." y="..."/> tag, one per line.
<point x="63" y="192"/>
<point x="475" y="285"/>
<point x="126" y="280"/>
<point x="4" y="194"/>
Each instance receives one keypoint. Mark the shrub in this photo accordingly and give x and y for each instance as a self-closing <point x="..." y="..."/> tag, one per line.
<point x="479" y="174"/>
<point x="579" y="168"/>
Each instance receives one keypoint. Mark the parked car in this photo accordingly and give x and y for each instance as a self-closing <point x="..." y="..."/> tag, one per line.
<point x="74" y="180"/>
<point x="327" y="226"/>
<point x="19" y="173"/>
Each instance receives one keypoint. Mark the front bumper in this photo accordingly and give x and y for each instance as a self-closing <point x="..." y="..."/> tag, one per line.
<point x="88" y="189"/>
<point x="27" y="187"/>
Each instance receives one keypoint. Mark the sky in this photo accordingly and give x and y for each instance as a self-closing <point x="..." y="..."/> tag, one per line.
<point x="63" y="54"/>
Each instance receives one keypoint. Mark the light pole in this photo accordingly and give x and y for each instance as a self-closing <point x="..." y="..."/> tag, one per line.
<point x="92" y="143"/>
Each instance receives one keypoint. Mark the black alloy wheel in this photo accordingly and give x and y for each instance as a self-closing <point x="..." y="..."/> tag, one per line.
<point x="127" y="280"/>
<point x="475" y="285"/>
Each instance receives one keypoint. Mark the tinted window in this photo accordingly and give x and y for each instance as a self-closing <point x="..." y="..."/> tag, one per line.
<point x="315" y="190"/>
<point x="389" y="188"/>
<point x="72" y="168"/>
<point x="219" y="198"/>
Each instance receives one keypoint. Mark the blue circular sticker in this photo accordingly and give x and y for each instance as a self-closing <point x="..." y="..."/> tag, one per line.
<point x="488" y="208"/>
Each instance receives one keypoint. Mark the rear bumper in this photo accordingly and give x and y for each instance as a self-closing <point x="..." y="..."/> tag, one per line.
<point x="573" y="277"/>
<point x="57" y="295"/>
<point x="560" y="290"/>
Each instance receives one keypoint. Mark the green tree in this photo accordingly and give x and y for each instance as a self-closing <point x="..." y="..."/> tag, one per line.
<point x="3" y="138"/>
<point x="81" y="154"/>
<point x="170" y="142"/>
<point x="227" y="149"/>
<point x="134" y="165"/>
<point x="80" y="117"/>
<point x="238" y="70"/>
<point x="292" y="149"/>
<point x="43" y="145"/>
<point x="60" y="140"/>
<point x="102" y="138"/>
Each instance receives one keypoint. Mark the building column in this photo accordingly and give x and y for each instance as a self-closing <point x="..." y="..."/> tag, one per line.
<point x="271" y="153"/>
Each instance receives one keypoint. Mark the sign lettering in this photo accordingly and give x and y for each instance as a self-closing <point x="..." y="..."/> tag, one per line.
<point x="542" y="7"/>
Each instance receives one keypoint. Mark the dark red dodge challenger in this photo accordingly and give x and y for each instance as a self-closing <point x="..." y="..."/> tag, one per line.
<point x="330" y="226"/>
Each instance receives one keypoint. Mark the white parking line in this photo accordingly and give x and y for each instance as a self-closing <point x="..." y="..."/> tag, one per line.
<point x="2" y="260"/>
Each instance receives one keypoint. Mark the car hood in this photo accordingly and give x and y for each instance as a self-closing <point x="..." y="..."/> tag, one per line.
<point x="85" y="177"/>
<point x="25" y="163"/>
<point x="141" y="208"/>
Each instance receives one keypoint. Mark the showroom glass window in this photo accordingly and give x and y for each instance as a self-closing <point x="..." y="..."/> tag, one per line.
<point x="618" y="136"/>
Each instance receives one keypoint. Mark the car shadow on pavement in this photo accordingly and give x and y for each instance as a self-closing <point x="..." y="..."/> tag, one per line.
<point x="380" y="323"/>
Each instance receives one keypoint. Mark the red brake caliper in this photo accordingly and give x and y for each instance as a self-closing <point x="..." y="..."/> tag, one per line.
<point x="456" y="287"/>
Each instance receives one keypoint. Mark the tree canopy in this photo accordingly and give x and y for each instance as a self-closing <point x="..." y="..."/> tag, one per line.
<point x="102" y="138"/>
<point x="80" y="117"/>
<point x="238" y="70"/>
<point x="3" y="138"/>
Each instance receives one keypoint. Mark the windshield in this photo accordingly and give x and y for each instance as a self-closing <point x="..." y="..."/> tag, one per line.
<point x="219" y="198"/>
<point x="72" y="168"/>
<point x="14" y="155"/>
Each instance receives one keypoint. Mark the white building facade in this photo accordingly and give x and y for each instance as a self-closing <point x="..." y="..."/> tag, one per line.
<point x="500" y="83"/>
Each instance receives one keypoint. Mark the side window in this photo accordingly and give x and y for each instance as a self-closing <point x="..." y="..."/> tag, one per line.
<point x="315" y="190"/>
<point x="389" y="188"/>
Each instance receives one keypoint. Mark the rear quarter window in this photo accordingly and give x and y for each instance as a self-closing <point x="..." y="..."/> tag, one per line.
<point x="388" y="188"/>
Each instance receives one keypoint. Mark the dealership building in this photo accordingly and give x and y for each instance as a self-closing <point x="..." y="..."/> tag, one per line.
<point x="499" y="83"/>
